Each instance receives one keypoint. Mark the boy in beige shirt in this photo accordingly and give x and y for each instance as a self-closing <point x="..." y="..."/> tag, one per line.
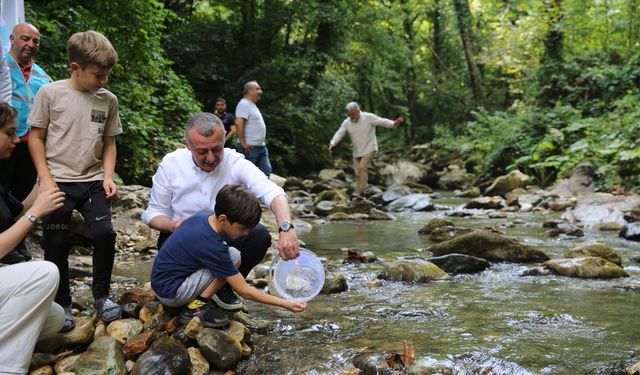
<point x="74" y="123"/>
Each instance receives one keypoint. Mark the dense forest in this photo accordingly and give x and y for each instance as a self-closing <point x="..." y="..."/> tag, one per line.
<point x="538" y="85"/>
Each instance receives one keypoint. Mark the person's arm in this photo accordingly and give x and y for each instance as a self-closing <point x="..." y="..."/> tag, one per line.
<point x="288" y="245"/>
<point x="37" y="151"/>
<point x="338" y="136"/>
<point x="232" y="131"/>
<point x="158" y="212"/>
<point x="240" y="123"/>
<point x="45" y="203"/>
<point x="109" y="165"/>
<point x="238" y="283"/>
<point x="385" y="122"/>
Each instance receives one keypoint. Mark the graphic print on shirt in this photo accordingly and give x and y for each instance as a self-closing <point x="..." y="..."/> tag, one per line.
<point x="98" y="120"/>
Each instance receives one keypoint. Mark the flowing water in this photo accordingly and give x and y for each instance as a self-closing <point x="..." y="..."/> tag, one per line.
<point x="495" y="319"/>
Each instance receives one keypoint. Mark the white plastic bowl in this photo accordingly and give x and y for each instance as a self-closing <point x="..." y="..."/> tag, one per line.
<point x="299" y="279"/>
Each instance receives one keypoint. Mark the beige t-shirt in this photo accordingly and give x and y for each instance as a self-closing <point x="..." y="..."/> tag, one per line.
<point x="76" y="122"/>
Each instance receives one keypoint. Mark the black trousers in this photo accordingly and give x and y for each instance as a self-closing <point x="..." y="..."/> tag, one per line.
<point x="90" y="200"/>
<point x="18" y="173"/>
<point x="252" y="247"/>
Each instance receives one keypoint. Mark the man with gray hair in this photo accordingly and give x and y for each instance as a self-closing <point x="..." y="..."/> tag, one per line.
<point x="187" y="182"/>
<point x="251" y="129"/>
<point x="361" y="127"/>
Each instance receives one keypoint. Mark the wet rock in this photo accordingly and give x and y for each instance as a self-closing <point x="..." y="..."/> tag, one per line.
<point x="633" y="287"/>
<point x="293" y="183"/>
<point x="68" y="364"/>
<point x="600" y="208"/>
<point x="328" y="174"/>
<point x="359" y="206"/>
<point x="596" y="249"/>
<point x="376" y="214"/>
<point x="194" y="327"/>
<point x="432" y="370"/>
<point x="504" y="184"/>
<point x="339" y="216"/>
<point x="552" y="223"/>
<point x="199" y="364"/>
<point x="447" y="233"/>
<point x="131" y="310"/>
<point x="610" y="227"/>
<point x="416" y="270"/>
<point x="334" y="283"/>
<point x="165" y="356"/>
<point x="239" y="332"/>
<point x="369" y="364"/>
<point x="331" y="195"/>
<point x="138" y="344"/>
<point x="124" y="329"/>
<point x="219" y="348"/>
<point x="472" y="192"/>
<point x="255" y="325"/>
<point x="486" y="203"/>
<point x="138" y="295"/>
<point x="562" y="203"/>
<point x="103" y="357"/>
<point x="564" y="229"/>
<point x="325" y="208"/>
<point x="319" y="187"/>
<point x="148" y="310"/>
<point x="631" y="232"/>
<point x="536" y="271"/>
<point x="579" y="182"/>
<point x="459" y="213"/>
<point x="497" y="215"/>
<point x="460" y="263"/>
<point x="395" y="193"/>
<point x="371" y="191"/>
<point x="182" y="337"/>
<point x="44" y="370"/>
<point x="413" y="202"/>
<point x="434" y="224"/>
<point x="454" y="177"/>
<point x="634" y="370"/>
<point x="586" y="268"/>
<point x="81" y="334"/>
<point x="490" y="246"/>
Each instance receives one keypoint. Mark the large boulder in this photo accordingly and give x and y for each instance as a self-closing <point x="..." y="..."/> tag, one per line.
<point x="596" y="249"/>
<point x="219" y="348"/>
<point x="413" y="202"/>
<point x="602" y="208"/>
<point x="165" y="356"/>
<point x="631" y="232"/>
<point x="586" y="268"/>
<point x="579" y="182"/>
<point x="504" y="184"/>
<point x="413" y="270"/>
<point x="103" y="357"/>
<point x="454" y="177"/>
<point x="460" y="263"/>
<point x="490" y="246"/>
<point x="401" y="172"/>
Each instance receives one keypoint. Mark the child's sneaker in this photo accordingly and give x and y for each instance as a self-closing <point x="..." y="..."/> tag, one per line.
<point x="227" y="299"/>
<point x="108" y="310"/>
<point x="210" y="317"/>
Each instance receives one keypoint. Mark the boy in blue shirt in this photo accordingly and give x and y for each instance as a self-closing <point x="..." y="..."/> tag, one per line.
<point x="195" y="262"/>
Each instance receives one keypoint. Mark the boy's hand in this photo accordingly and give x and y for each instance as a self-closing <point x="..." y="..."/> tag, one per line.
<point x="296" y="306"/>
<point x="110" y="188"/>
<point x="46" y="184"/>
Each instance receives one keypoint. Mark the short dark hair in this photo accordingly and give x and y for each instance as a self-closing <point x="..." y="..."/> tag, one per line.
<point x="7" y="112"/>
<point x="221" y="99"/>
<point x="239" y="204"/>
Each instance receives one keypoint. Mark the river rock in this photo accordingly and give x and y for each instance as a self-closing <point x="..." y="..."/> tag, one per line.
<point x="486" y="203"/>
<point x="586" y="268"/>
<point x="199" y="364"/>
<point x="124" y="329"/>
<point x="434" y="224"/>
<point x="331" y="195"/>
<point x="600" y="208"/>
<point x="413" y="270"/>
<point x="165" y="356"/>
<point x="376" y="214"/>
<point x="326" y="208"/>
<point x="564" y="229"/>
<point x="334" y="283"/>
<point x="219" y="348"/>
<point x="131" y="310"/>
<point x="490" y="246"/>
<point x="454" y="177"/>
<point x="80" y="335"/>
<point x="395" y="192"/>
<point x="447" y="233"/>
<point x="239" y="332"/>
<point x="401" y="172"/>
<point x="340" y="216"/>
<point x="413" y="202"/>
<point x="562" y="203"/>
<point x="328" y="174"/>
<point x="596" y="249"/>
<point x="68" y="364"/>
<point x="579" y="182"/>
<point x="504" y="184"/>
<point x="138" y="344"/>
<point x="460" y="263"/>
<point x="631" y="232"/>
<point x="44" y="370"/>
<point x="472" y="192"/>
<point x="293" y="183"/>
<point x="359" y="206"/>
<point x="139" y="295"/>
<point x="103" y="357"/>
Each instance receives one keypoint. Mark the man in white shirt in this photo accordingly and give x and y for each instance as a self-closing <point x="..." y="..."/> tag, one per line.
<point x="251" y="128"/>
<point x="188" y="180"/>
<point x="361" y="127"/>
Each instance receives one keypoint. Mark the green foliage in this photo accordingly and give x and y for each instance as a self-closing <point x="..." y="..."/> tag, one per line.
<point x="154" y="101"/>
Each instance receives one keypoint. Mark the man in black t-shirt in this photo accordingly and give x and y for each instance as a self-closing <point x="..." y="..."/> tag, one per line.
<point x="228" y="120"/>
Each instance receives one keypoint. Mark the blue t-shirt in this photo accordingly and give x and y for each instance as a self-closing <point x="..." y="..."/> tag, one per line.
<point x="193" y="246"/>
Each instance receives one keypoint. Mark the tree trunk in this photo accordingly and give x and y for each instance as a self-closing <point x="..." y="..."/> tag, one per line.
<point x="411" y="76"/>
<point x="633" y="23"/>
<point x="463" y="14"/>
<point x="435" y="17"/>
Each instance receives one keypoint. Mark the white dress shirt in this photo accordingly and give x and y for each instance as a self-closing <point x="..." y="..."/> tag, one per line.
<point x="181" y="188"/>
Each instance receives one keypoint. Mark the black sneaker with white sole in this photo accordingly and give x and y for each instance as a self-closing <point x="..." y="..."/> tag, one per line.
<point x="210" y="317"/>
<point x="227" y="299"/>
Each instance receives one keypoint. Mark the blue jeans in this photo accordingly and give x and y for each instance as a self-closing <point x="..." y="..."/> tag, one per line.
<point x="259" y="156"/>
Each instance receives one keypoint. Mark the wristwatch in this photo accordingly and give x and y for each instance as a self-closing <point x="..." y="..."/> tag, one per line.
<point x="32" y="218"/>
<point x="285" y="227"/>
